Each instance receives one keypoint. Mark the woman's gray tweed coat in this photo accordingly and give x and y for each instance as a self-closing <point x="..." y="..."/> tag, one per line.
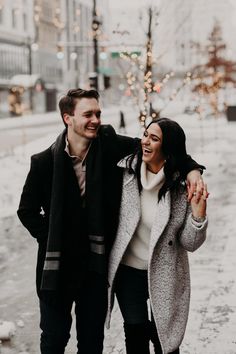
<point x="173" y="234"/>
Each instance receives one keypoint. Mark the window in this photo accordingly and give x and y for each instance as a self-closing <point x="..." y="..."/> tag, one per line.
<point x="1" y="15"/>
<point x="13" y="18"/>
<point x="25" y="22"/>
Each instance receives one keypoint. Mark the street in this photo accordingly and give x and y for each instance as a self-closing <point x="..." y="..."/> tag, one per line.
<point x="212" y="319"/>
<point x="22" y="130"/>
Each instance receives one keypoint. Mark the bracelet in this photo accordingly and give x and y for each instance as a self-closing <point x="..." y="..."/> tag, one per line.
<point x="199" y="218"/>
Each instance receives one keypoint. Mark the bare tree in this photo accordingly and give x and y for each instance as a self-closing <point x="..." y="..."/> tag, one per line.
<point x="142" y="84"/>
<point x="216" y="73"/>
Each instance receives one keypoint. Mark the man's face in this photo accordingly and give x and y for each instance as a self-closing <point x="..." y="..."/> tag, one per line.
<point x="86" y="119"/>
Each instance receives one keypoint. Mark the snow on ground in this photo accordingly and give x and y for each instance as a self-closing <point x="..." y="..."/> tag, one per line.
<point x="7" y="330"/>
<point x="212" y="319"/>
<point x="15" y="166"/>
<point x="13" y="173"/>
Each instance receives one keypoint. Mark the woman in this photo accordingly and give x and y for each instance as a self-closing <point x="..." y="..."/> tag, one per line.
<point x="157" y="227"/>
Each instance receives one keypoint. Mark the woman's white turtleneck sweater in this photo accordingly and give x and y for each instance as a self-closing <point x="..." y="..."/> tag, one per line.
<point x="136" y="254"/>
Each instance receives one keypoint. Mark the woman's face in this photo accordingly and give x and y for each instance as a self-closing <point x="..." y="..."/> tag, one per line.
<point x="152" y="146"/>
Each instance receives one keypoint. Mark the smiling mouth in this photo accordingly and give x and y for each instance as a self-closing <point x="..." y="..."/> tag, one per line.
<point x="146" y="151"/>
<point x="92" y="128"/>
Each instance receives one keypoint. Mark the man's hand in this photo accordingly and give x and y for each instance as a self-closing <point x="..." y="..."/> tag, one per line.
<point x="194" y="180"/>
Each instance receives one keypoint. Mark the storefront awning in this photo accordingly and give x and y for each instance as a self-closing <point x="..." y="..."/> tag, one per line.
<point x="26" y="81"/>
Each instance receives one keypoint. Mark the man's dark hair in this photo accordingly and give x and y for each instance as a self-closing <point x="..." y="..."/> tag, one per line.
<point x="68" y="102"/>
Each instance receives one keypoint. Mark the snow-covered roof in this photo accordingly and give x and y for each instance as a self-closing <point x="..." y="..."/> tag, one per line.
<point x="24" y="80"/>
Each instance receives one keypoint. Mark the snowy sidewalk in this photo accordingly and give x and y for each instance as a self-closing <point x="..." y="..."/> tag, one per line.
<point x="212" y="319"/>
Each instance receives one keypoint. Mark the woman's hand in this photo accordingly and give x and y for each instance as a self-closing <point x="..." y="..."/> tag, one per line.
<point x="198" y="200"/>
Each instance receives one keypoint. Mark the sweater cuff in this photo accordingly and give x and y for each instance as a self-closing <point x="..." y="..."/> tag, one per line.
<point x="198" y="222"/>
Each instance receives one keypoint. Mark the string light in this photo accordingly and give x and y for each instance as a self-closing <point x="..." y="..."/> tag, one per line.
<point x="216" y="73"/>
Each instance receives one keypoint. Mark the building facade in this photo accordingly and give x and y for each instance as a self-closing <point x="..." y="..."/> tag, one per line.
<point x="46" y="47"/>
<point x="76" y="43"/>
<point x="16" y="31"/>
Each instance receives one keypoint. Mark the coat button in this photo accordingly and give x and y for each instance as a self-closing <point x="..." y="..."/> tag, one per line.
<point x="170" y="243"/>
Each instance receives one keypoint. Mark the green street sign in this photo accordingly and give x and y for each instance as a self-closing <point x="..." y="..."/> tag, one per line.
<point x="115" y="55"/>
<point x="105" y="70"/>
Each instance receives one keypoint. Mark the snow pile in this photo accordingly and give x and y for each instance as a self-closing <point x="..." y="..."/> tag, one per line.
<point x="7" y="330"/>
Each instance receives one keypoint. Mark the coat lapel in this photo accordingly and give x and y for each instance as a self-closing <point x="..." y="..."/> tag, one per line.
<point x="129" y="217"/>
<point x="162" y="217"/>
<point x="130" y="203"/>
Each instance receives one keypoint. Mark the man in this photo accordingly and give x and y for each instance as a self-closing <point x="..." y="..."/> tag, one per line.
<point x="122" y="125"/>
<point x="70" y="204"/>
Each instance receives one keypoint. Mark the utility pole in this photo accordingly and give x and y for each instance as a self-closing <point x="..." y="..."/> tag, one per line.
<point x="30" y="71"/>
<point x="149" y="43"/>
<point x="148" y="83"/>
<point x="95" y="27"/>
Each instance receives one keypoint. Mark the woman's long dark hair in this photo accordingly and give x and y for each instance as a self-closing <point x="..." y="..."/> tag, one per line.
<point x="174" y="151"/>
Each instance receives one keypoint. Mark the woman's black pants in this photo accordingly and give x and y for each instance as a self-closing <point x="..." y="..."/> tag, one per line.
<point x="131" y="288"/>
